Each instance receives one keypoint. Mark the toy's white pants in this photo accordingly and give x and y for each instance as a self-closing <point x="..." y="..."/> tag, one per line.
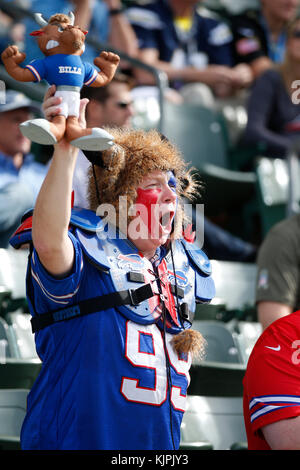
<point x="70" y="102"/>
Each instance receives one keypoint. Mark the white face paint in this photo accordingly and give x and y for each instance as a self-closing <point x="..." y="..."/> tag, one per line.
<point x="51" y="44"/>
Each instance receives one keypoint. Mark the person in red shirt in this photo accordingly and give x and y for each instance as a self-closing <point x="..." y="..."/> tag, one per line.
<point x="272" y="387"/>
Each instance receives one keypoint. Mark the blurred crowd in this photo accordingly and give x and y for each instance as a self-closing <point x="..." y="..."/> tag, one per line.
<point x="240" y="61"/>
<point x="213" y="53"/>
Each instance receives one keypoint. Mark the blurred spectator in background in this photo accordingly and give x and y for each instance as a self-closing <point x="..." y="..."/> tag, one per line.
<point x="273" y="107"/>
<point x="104" y="20"/>
<point x="20" y="176"/>
<point x="260" y="34"/>
<point x="224" y="246"/>
<point x="278" y="281"/>
<point x="111" y="105"/>
<point x="12" y="31"/>
<point x="189" y="48"/>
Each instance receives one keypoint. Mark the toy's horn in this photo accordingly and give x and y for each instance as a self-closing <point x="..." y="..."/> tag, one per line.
<point x="72" y="18"/>
<point x="40" y="20"/>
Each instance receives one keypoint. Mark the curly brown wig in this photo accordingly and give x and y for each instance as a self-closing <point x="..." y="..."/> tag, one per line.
<point x="134" y="155"/>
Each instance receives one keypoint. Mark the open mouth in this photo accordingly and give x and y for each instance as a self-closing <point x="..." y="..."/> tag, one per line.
<point x="166" y="220"/>
<point x="51" y="44"/>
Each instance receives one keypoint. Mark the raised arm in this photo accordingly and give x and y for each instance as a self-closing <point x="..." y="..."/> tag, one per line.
<point x="121" y="34"/>
<point x="53" y="209"/>
<point x="83" y="13"/>
<point x="52" y="213"/>
<point x="11" y="58"/>
<point x="107" y="63"/>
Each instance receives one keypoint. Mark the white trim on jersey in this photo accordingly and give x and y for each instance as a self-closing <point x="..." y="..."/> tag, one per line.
<point x="93" y="77"/>
<point x="266" y="404"/>
<point x="34" y="71"/>
<point x="60" y="299"/>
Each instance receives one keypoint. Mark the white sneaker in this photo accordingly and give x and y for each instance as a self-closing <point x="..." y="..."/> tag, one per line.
<point x="99" y="139"/>
<point x="38" y="130"/>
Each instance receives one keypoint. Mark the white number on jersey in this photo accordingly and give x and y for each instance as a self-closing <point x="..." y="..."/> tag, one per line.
<point x="156" y="361"/>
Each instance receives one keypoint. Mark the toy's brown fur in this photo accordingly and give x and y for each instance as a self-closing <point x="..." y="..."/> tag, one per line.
<point x="59" y="18"/>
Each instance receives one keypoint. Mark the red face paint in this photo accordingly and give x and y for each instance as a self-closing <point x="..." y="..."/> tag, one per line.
<point x="147" y="198"/>
<point x="151" y="210"/>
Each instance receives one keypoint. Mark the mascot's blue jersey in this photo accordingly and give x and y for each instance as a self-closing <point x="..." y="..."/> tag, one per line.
<point x="104" y="382"/>
<point x="63" y="69"/>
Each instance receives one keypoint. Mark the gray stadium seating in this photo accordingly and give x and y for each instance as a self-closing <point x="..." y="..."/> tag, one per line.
<point x="235" y="283"/>
<point x="275" y="201"/>
<point x="221" y="344"/>
<point x="12" y="413"/>
<point x="20" y="331"/>
<point x="13" y="265"/>
<point x="217" y="420"/>
<point x="201" y="136"/>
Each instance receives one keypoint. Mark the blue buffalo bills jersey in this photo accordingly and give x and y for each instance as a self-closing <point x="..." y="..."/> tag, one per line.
<point x="63" y="69"/>
<point x="103" y="383"/>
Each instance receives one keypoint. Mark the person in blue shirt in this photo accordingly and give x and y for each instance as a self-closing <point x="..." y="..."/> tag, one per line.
<point x="20" y="175"/>
<point x="188" y="47"/>
<point x="273" y="106"/>
<point x="260" y="34"/>
<point x="112" y="299"/>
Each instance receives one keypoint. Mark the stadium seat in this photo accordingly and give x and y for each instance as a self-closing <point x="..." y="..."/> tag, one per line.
<point x="235" y="284"/>
<point x="278" y="192"/>
<point x="216" y="379"/>
<point x="19" y="373"/>
<point x="216" y="310"/>
<point x="217" y="420"/>
<point x="222" y="345"/>
<point x="15" y="326"/>
<point x="21" y="333"/>
<point x="8" y="343"/>
<point x="12" y="413"/>
<point x="272" y="191"/>
<point x="13" y="265"/>
<point x="200" y="134"/>
<point x="194" y="445"/>
<point x="247" y="333"/>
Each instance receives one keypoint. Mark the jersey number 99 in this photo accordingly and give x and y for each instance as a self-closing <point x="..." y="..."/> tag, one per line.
<point x="153" y="358"/>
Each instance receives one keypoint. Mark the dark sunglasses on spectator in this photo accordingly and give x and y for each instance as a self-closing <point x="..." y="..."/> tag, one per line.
<point x="124" y="104"/>
<point x="296" y="34"/>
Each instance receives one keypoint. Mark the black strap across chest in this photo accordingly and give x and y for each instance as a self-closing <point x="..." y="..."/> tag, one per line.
<point x="92" y="305"/>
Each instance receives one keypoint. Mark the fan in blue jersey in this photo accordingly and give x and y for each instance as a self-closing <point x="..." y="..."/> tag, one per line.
<point x="62" y="43"/>
<point x="112" y="291"/>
